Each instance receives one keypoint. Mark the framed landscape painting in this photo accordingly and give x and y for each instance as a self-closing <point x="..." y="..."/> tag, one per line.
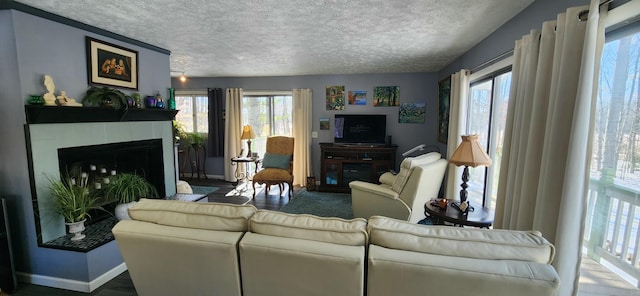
<point x="358" y="97"/>
<point x="412" y="112"/>
<point x="444" y="100"/>
<point x="324" y="123"/>
<point x="386" y="96"/>
<point x="111" y="65"/>
<point x="335" y="97"/>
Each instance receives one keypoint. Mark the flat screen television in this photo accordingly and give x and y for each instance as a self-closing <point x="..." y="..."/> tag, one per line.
<point x="360" y="129"/>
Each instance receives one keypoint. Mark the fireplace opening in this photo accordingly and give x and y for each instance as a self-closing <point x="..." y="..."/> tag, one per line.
<point x="143" y="158"/>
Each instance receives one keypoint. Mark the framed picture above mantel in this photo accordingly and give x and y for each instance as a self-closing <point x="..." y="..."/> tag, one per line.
<point x="111" y="65"/>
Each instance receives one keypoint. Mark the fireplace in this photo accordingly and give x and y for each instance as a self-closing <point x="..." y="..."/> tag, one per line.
<point x="143" y="147"/>
<point x="143" y="158"/>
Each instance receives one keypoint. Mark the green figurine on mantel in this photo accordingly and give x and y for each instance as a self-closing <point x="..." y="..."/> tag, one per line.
<point x="35" y="100"/>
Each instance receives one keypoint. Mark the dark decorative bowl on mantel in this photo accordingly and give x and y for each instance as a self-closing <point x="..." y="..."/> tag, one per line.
<point x="104" y="97"/>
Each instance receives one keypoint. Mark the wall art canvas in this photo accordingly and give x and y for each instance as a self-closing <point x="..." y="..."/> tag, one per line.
<point x="444" y="100"/>
<point x="111" y="65"/>
<point x="324" y="123"/>
<point x="384" y="96"/>
<point x="357" y="97"/>
<point x="412" y="112"/>
<point x="335" y="97"/>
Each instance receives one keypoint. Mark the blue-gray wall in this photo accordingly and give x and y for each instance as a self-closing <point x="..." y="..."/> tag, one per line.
<point x="503" y="39"/>
<point x="414" y="88"/>
<point x="31" y="47"/>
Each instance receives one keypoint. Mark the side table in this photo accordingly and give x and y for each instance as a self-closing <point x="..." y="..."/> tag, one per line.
<point x="479" y="217"/>
<point x="245" y="176"/>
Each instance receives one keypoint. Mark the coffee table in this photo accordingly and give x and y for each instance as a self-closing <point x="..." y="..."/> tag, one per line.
<point x="187" y="197"/>
<point x="479" y="217"/>
<point x="234" y="199"/>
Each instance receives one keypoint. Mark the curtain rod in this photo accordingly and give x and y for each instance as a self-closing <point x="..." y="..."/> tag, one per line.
<point x="492" y="61"/>
<point x="584" y="15"/>
<point x="510" y="52"/>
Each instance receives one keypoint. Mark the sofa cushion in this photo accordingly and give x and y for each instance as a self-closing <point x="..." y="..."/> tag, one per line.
<point x="210" y="216"/>
<point x="460" y="242"/>
<point x="419" y="273"/>
<point x="331" y="230"/>
<point x="280" y="266"/>
<point x="407" y="164"/>
<point x="279" y="161"/>
<point x="169" y="260"/>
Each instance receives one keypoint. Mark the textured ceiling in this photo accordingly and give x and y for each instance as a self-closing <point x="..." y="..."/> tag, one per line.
<point x="210" y="38"/>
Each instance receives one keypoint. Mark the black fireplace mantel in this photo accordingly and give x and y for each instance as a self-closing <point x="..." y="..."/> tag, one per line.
<point x="65" y="114"/>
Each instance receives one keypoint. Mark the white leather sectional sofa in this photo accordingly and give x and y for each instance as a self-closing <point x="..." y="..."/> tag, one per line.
<point x="182" y="248"/>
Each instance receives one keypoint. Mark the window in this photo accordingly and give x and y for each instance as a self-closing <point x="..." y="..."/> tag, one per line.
<point x="611" y="234"/>
<point x="269" y="115"/>
<point x="194" y="111"/>
<point x="487" y="114"/>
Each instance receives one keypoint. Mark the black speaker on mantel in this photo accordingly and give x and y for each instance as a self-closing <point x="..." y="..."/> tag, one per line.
<point x="7" y="269"/>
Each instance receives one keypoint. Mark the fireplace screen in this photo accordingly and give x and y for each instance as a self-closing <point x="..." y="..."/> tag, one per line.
<point x="143" y="158"/>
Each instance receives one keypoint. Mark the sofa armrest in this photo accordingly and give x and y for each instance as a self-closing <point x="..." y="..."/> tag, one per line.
<point x="371" y="199"/>
<point x="371" y="188"/>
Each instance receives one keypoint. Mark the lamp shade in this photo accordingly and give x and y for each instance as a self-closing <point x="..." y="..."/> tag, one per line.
<point x="470" y="153"/>
<point x="247" y="133"/>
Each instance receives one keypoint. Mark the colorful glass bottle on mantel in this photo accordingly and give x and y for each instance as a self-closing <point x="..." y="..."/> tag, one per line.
<point x="171" y="104"/>
<point x="159" y="101"/>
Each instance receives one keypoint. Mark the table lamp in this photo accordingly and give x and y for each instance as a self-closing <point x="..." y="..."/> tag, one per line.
<point x="469" y="153"/>
<point x="248" y="134"/>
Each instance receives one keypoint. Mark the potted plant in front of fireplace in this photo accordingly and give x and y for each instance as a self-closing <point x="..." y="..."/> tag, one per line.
<point x="73" y="199"/>
<point x="126" y="189"/>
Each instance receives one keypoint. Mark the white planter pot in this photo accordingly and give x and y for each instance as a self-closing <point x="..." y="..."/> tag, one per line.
<point x="76" y="229"/>
<point x="122" y="210"/>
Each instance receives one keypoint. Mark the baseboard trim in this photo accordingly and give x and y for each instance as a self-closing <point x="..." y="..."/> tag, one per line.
<point x="73" y="285"/>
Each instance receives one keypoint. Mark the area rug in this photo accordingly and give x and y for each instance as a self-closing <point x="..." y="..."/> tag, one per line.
<point x="324" y="204"/>
<point x="203" y="189"/>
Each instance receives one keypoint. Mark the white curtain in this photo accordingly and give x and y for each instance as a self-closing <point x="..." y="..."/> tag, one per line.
<point x="302" y="133"/>
<point x="457" y="127"/>
<point x="232" y="131"/>
<point x="544" y="171"/>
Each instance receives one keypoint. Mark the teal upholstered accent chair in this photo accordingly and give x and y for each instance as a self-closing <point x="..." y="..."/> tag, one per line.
<point x="277" y="165"/>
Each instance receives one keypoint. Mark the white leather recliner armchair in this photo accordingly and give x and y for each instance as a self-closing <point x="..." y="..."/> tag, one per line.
<point x="401" y="196"/>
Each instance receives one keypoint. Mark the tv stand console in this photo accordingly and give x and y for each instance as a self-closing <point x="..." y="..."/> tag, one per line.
<point x="341" y="164"/>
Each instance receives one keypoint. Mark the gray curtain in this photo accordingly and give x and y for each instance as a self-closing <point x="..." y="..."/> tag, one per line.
<point x="216" y="123"/>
